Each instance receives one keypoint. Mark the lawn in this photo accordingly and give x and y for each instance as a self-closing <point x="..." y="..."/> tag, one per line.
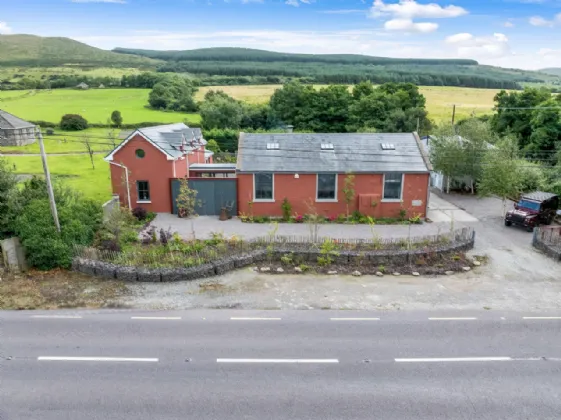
<point x="75" y="171"/>
<point x="95" y="105"/>
<point x="440" y="99"/>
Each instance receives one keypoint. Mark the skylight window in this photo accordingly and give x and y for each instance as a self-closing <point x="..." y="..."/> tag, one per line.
<point x="273" y="146"/>
<point x="327" y="146"/>
<point x="388" y="146"/>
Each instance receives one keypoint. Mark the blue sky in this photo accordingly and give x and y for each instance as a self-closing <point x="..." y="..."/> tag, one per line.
<point x="508" y="33"/>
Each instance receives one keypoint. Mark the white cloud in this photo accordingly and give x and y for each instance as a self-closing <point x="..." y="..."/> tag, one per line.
<point x="410" y="9"/>
<point x="469" y="46"/>
<point x="540" y="21"/>
<point x="251" y="1"/>
<point x="4" y="28"/>
<point x="508" y="24"/>
<point x="297" y="3"/>
<point x="99" y="1"/>
<point x="407" y="25"/>
<point x="459" y="38"/>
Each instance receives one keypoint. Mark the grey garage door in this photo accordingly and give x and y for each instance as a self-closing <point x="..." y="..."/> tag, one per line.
<point x="212" y="194"/>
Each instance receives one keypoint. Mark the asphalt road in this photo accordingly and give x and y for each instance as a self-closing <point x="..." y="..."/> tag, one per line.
<point x="279" y="365"/>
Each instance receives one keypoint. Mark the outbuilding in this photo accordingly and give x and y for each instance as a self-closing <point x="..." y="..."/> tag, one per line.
<point x="14" y="131"/>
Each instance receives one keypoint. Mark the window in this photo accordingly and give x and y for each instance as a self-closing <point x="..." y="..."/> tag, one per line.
<point x="263" y="186"/>
<point x="392" y="187"/>
<point x="140" y="153"/>
<point x="327" y="187"/>
<point x="143" y="190"/>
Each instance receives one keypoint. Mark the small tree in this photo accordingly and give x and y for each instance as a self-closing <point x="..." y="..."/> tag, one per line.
<point x="117" y="118"/>
<point x="349" y="191"/>
<point x="7" y="188"/>
<point x="73" y="122"/>
<point x="447" y="156"/>
<point x="89" y="149"/>
<point x="186" y="200"/>
<point x="500" y="175"/>
<point x="213" y="146"/>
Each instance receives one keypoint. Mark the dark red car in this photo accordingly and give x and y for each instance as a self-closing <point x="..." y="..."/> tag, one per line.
<point x="533" y="209"/>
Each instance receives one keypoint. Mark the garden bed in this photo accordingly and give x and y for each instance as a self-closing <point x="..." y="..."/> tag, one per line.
<point x="168" y="258"/>
<point x="353" y="219"/>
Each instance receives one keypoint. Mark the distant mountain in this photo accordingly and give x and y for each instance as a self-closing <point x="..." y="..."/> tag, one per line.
<point x="554" y="71"/>
<point x="249" y="54"/>
<point x="31" y="50"/>
<point x="238" y="63"/>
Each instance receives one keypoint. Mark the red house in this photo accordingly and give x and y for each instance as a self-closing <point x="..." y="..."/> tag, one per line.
<point x="391" y="173"/>
<point x="145" y="162"/>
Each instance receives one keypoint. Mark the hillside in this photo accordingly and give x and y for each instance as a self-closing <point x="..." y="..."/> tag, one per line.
<point x="31" y="50"/>
<point x="554" y="71"/>
<point x="249" y="54"/>
<point x="342" y="68"/>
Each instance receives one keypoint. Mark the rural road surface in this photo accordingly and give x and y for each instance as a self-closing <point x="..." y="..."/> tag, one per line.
<point x="279" y="365"/>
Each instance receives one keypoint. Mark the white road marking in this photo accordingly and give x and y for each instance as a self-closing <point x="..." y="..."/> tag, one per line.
<point x="454" y="359"/>
<point x="277" y="360"/>
<point x="542" y="317"/>
<point x="57" y="316"/>
<point x="354" y="319"/>
<point x="503" y="318"/>
<point x="96" y="359"/>
<point x="253" y="319"/>
<point x="157" y="317"/>
<point x="453" y="319"/>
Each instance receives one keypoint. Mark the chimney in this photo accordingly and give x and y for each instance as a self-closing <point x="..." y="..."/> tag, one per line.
<point x="289" y="128"/>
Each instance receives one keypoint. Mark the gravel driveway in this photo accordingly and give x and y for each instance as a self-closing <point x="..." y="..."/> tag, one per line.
<point x="515" y="278"/>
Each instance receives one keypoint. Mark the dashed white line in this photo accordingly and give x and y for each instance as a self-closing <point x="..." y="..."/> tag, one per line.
<point x="173" y="318"/>
<point x="354" y="319"/>
<point x="454" y="359"/>
<point x="96" y="359"/>
<point x="57" y="316"/>
<point x="253" y="319"/>
<point x="297" y="361"/>
<point x="453" y="319"/>
<point x="541" y="317"/>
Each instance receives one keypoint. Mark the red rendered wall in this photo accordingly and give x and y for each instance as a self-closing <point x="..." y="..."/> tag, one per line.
<point x="154" y="168"/>
<point x="303" y="190"/>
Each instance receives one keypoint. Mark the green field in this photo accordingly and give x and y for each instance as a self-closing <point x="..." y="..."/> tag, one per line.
<point x="440" y="100"/>
<point x="95" y="105"/>
<point x="70" y="142"/>
<point x="74" y="171"/>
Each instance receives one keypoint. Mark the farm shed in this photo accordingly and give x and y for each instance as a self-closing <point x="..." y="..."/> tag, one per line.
<point x="15" y="131"/>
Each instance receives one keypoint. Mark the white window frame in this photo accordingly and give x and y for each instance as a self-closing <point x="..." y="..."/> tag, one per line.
<point x="264" y="200"/>
<point x="327" y="200"/>
<point x="393" y="200"/>
<point x="139" y="201"/>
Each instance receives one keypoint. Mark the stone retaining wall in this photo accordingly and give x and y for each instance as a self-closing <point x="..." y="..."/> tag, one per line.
<point x="543" y="241"/>
<point x="222" y="266"/>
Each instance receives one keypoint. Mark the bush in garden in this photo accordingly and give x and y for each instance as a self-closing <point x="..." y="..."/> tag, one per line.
<point x="73" y="122"/>
<point x="140" y="213"/>
<point x="45" y="247"/>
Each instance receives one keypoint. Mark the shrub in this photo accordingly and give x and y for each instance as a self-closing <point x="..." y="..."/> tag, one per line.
<point x="49" y="131"/>
<point x="286" y="209"/>
<point x="117" y="118"/>
<point x="73" y="122"/>
<point x="140" y="213"/>
<point x="45" y="247"/>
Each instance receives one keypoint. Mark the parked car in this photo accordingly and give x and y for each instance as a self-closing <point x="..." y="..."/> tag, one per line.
<point x="533" y="209"/>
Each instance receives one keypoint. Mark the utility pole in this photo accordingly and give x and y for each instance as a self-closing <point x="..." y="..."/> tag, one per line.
<point x="453" y="114"/>
<point x="48" y="178"/>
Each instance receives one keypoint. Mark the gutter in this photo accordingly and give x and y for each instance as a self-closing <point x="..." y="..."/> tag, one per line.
<point x="120" y="165"/>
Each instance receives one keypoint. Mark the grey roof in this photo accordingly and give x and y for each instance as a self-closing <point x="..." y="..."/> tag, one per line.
<point x="352" y="152"/>
<point x="538" y="196"/>
<point x="11" y="122"/>
<point x="170" y="137"/>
